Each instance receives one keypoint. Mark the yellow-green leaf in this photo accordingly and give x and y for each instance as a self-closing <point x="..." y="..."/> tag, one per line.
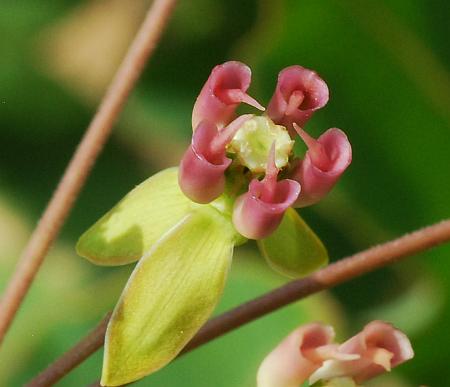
<point x="131" y="227"/>
<point x="171" y="293"/>
<point x="294" y="249"/>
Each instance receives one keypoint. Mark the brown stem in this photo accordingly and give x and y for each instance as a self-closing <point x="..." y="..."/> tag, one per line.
<point x="82" y="161"/>
<point x="334" y="274"/>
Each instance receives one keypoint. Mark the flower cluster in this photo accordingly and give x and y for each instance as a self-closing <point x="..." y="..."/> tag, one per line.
<point x="236" y="181"/>
<point x="239" y="150"/>
<point x="310" y="352"/>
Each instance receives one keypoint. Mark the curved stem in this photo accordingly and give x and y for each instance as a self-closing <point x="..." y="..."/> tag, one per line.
<point x="82" y="161"/>
<point x="334" y="274"/>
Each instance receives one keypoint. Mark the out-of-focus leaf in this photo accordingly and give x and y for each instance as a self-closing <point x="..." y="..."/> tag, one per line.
<point x="293" y="249"/>
<point x="129" y="229"/>
<point x="169" y="296"/>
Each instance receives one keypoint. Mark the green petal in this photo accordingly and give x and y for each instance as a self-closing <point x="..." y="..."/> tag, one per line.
<point x="131" y="227"/>
<point x="169" y="296"/>
<point x="293" y="249"/>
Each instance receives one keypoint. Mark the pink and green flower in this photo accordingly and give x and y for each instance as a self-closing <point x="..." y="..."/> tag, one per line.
<point x="239" y="179"/>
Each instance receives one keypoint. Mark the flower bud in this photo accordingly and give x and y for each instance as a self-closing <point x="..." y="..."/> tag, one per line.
<point x="298" y="356"/>
<point x="379" y="346"/>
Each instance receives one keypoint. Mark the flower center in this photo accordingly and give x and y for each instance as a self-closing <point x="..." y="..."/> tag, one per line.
<point x="252" y="143"/>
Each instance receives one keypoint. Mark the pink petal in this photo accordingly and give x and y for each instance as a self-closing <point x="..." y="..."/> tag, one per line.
<point x="224" y="90"/>
<point x="202" y="169"/>
<point x="325" y="161"/>
<point x="255" y="218"/>
<point x="201" y="175"/>
<point x="258" y="212"/>
<point x="298" y="94"/>
<point x="296" y="357"/>
<point x="372" y="343"/>
<point x="380" y="346"/>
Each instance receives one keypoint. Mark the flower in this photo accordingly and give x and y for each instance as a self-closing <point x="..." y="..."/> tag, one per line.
<point x="237" y="180"/>
<point x="310" y="353"/>
<point x="298" y="356"/>
<point x="258" y="212"/>
<point x="379" y="347"/>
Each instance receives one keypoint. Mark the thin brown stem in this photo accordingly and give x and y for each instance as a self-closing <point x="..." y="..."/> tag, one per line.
<point x="334" y="274"/>
<point x="82" y="161"/>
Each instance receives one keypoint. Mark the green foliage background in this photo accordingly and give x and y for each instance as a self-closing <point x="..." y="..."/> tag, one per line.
<point x="386" y="63"/>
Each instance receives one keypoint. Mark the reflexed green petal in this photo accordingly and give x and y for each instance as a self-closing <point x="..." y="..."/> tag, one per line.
<point x="169" y="296"/>
<point x="293" y="249"/>
<point x="131" y="227"/>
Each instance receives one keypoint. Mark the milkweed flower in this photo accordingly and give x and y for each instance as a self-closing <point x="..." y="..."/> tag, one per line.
<point x="310" y="354"/>
<point x="239" y="179"/>
<point x="298" y="94"/>
<point x="379" y="347"/>
<point x="298" y="356"/>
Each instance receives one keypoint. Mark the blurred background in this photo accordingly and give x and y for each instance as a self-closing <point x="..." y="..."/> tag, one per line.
<point x="386" y="63"/>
